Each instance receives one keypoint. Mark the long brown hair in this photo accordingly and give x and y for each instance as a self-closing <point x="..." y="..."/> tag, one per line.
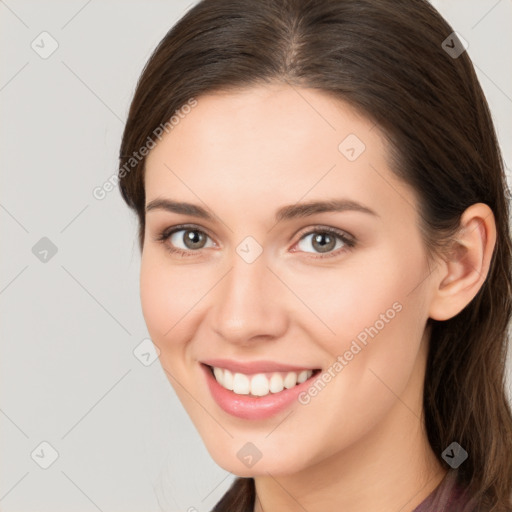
<point x="387" y="59"/>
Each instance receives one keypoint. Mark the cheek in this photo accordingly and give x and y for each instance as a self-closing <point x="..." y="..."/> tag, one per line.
<point x="364" y="295"/>
<point x="378" y="313"/>
<point x="378" y="354"/>
<point x="156" y="303"/>
<point x="167" y="295"/>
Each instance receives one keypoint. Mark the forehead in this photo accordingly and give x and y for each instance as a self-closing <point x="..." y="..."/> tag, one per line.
<point x="273" y="121"/>
<point x="275" y="144"/>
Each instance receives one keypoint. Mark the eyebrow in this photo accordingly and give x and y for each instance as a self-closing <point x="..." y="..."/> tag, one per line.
<point x="288" y="212"/>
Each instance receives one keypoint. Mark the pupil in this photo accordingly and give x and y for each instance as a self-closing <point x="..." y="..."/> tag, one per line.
<point x="194" y="238"/>
<point x="326" y="246"/>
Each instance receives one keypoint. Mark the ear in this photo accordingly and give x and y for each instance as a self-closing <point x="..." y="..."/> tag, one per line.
<point x="464" y="270"/>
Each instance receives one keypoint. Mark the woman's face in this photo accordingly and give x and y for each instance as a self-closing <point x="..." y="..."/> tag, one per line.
<point x="263" y="282"/>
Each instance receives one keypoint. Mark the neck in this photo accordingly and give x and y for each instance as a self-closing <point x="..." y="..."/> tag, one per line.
<point x="377" y="486"/>
<point x="392" y="468"/>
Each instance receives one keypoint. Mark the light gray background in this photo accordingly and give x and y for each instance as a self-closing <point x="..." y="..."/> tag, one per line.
<point x="69" y="325"/>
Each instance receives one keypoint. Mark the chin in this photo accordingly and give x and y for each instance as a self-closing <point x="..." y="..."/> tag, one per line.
<point x="276" y="463"/>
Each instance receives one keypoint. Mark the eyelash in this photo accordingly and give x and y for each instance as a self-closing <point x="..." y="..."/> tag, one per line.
<point x="349" y="242"/>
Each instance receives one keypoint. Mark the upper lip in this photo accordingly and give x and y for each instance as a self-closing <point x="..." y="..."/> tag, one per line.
<point x="251" y="367"/>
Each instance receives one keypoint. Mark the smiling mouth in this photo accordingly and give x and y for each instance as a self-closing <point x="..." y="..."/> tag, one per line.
<point x="260" y="384"/>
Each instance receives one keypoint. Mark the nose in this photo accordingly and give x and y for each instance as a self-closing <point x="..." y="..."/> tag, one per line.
<point x="247" y="304"/>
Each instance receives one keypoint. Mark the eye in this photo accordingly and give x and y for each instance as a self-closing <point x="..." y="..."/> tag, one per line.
<point x="325" y="240"/>
<point x="184" y="240"/>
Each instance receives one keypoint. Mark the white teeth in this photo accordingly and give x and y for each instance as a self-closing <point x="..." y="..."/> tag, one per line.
<point x="228" y="380"/>
<point x="241" y="384"/>
<point x="218" y="373"/>
<point x="259" y="384"/>
<point x="303" y="376"/>
<point x="290" y="380"/>
<point x="276" y="383"/>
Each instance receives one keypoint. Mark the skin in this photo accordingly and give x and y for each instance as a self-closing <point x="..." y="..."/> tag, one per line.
<point x="360" y="443"/>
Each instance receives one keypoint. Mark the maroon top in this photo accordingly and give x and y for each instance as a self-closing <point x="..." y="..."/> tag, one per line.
<point x="448" y="496"/>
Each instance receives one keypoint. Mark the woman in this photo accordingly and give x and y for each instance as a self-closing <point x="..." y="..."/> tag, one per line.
<point x="326" y="253"/>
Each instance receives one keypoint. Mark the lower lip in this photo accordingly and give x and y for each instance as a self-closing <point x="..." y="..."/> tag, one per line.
<point x="253" y="408"/>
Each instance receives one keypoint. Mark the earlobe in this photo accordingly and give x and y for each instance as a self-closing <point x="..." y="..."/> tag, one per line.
<point x="466" y="266"/>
